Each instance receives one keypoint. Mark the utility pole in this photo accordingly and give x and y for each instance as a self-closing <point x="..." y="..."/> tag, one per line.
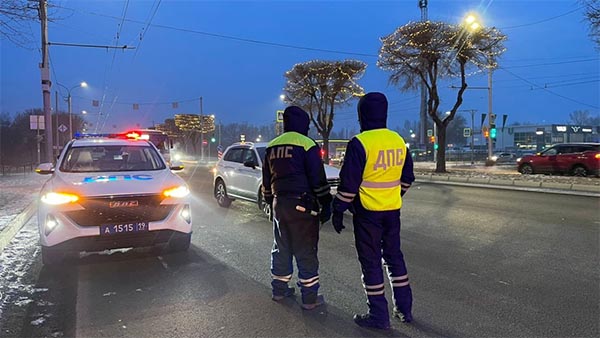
<point x="490" y="114"/>
<point x="56" y="114"/>
<point x="201" y="132"/>
<point x="423" y="109"/>
<point x="46" y="83"/>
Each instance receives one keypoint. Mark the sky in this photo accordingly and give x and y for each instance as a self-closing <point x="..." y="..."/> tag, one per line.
<point x="234" y="55"/>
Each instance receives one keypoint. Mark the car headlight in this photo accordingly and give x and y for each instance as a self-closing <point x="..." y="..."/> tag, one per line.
<point x="57" y="198"/>
<point x="177" y="192"/>
<point x="494" y="158"/>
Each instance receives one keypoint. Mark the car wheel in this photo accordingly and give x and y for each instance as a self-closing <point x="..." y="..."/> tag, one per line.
<point x="526" y="169"/>
<point x="221" y="194"/>
<point x="52" y="256"/>
<point x="180" y="243"/>
<point x="579" y="170"/>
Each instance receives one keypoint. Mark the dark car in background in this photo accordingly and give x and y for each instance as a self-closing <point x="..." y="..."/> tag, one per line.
<point x="578" y="159"/>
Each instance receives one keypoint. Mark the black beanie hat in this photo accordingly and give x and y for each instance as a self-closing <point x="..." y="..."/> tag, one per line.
<point x="295" y="119"/>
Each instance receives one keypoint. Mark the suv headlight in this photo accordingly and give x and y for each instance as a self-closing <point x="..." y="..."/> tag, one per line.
<point x="57" y="198"/>
<point x="177" y="192"/>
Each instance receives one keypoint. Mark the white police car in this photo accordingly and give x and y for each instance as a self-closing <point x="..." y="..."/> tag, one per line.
<point x="107" y="193"/>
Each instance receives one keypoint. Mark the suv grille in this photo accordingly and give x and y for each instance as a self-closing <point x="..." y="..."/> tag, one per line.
<point x="120" y="209"/>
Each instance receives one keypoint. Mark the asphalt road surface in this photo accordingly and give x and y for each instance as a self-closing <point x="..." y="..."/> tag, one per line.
<point x="482" y="263"/>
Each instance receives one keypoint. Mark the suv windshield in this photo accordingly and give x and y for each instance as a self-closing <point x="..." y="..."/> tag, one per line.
<point x="111" y="158"/>
<point x="261" y="153"/>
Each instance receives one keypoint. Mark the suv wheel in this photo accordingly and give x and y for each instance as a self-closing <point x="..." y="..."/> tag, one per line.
<point x="526" y="169"/>
<point x="265" y="207"/>
<point x="579" y="170"/>
<point x="221" y="194"/>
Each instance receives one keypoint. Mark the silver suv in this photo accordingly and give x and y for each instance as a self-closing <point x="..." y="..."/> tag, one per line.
<point x="238" y="175"/>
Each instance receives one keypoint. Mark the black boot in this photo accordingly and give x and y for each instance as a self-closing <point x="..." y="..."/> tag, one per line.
<point x="404" y="317"/>
<point x="365" y="320"/>
<point x="287" y="293"/>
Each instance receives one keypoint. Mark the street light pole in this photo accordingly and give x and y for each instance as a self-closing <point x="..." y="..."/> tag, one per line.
<point x="69" y="103"/>
<point x="490" y="145"/>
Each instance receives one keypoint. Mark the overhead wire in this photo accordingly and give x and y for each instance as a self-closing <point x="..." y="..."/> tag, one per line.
<point x="291" y="46"/>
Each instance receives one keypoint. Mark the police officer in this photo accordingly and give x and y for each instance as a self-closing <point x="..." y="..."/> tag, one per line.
<point x="294" y="182"/>
<point x="377" y="171"/>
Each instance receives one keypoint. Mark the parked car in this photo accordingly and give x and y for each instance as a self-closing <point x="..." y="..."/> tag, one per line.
<point x="107" y="193"/>
<point x="504" y="157"/>
<point x="578" y="159"/>
<point x="238" y="175"/>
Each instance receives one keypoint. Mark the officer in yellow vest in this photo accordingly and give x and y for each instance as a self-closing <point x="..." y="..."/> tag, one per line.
<point x="377" y="171"/>
<point x="294" y="182"/>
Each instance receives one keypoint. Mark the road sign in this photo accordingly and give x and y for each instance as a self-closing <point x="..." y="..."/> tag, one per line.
<point x="36" y="122"/>
<point x="279" y="117"/>
<point x="467" y="132"/>
<point x="62" y="128"/>
<point x="429" y="132"/>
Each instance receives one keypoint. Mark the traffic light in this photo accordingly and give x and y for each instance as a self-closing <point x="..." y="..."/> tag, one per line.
<point x="486" y="133"/>
<point x="213" y="139"/>
<point x="431" y="139"/>
<point x="493" y="133"/>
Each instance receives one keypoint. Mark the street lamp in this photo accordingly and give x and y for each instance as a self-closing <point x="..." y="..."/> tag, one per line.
<point x="472" y="24"/>
<point x="69" y="104"/>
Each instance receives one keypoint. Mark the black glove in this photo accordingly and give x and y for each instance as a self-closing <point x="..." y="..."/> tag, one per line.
<point x="325" y="213"/>
<point x="338" y="222"/>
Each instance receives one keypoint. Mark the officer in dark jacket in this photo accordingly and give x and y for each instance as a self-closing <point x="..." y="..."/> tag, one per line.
<point x="294" y="182"/>
<point x="377" y="171"/>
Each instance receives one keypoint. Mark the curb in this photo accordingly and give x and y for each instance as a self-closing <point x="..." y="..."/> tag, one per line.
<point x="494" y="183"/>
<point x="16" y="224"/>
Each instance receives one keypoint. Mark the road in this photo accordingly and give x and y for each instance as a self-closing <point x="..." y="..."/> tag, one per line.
<point x="482" y="263"/>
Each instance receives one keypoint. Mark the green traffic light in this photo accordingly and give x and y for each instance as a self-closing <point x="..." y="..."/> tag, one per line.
<point x="435" y="146"/>
<point x="213" y="140"/>
<point x="493" y="133"/>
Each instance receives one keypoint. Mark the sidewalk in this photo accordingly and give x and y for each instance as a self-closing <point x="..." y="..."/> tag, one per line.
<point x="17" y="192"/>
<point x="506" y="177"/>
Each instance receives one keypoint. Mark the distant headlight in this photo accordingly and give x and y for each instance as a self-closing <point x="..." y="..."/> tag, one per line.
<point x="177" y="157"/>
<point x="494" y="158"/>
<point x="519" y="159"/>
<point x="57" y="198"/>
<point x="177" y="192"/>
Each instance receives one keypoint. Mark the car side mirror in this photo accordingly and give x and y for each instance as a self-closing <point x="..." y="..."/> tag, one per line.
<point x="176" y="165"/>
<point x="250" y="164"/>
<point x="45" y="169"/>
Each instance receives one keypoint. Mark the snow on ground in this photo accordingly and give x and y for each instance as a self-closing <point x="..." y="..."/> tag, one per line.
<point x="16" y="192"/>
<point x="15" y="261"/>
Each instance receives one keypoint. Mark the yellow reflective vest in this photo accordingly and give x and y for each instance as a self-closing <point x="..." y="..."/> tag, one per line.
<point x="386" y="152"/>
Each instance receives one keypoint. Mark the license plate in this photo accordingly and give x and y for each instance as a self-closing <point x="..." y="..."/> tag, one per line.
<point x="123" y="228"/>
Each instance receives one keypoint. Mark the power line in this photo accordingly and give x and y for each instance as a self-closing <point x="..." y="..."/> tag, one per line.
<point x="546" y="89"/>
<point x="544" y="20"/>
<point x="553" y="63"/>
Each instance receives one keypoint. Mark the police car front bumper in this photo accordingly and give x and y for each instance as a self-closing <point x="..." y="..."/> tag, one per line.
<point x="71" y="223"/>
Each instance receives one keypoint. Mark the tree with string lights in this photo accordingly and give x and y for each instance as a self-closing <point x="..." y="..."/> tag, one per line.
<point x="319" y="87"/>
<point x="426" y="52"/>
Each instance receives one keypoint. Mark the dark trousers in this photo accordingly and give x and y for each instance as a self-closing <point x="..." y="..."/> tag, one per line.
<point x="296" y="235"/>
<point x="377" y="237"/>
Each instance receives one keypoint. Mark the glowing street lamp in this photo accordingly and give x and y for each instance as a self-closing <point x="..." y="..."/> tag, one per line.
<point x="82" y="84"/>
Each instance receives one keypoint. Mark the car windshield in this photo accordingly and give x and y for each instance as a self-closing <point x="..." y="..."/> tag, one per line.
<point x="261" y="153"/>
<point x="102" y="158"/>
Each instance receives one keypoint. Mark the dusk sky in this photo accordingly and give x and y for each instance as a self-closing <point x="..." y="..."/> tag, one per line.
<point x="234" y="56"/>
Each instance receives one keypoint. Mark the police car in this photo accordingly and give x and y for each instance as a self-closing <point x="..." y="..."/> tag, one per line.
<point x="107" y="193"/>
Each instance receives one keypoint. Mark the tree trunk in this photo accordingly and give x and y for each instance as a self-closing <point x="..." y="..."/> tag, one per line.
<point x="440" y="165"/>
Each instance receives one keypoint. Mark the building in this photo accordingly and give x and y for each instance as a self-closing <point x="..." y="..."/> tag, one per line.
<point x="538" y="137"/>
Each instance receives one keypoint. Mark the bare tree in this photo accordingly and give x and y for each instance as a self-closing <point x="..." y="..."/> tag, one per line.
<point x="15" y="16"/>
<point x="320" y="86"/>
<point x="582" y="117"/>
<point x="592" y="14"/>
<point x="429" y="51"/>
